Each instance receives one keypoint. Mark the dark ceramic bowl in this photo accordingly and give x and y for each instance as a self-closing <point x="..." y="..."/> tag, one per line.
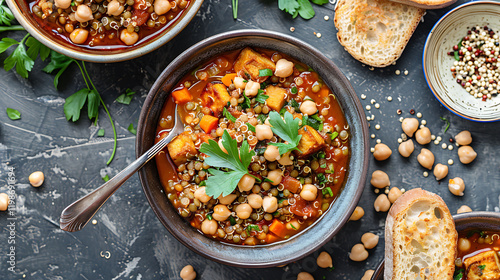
<point x="330" y="222"/>
<point x="22" y="12"/>
<point x="481" y="220"/>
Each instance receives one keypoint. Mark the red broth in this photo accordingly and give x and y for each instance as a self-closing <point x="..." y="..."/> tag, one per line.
<point x="477" y="251"/>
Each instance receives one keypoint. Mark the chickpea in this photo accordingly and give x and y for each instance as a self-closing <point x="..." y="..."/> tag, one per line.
<point x="4" y="201"/>
<point x="161" y="7"/>
<point x="394" y="194"/>
<point x="129" y="38"/>
<point x="79" y="36"/>
<point x="285" y="159"/>
<point x="246" y="183"/>
<point x="358" y="253"/>
<point x="239" y="82"/>
<point x="464" y="244"/>
<point x="423" y="136"/>
<point x="228" y="199"/>
<point x="209" y="226"/>
<point x="293" y="225"/>
<point x="382" y="203"/>
<point x="255" y="200"/>
<point x="464" y="138"/>
<point x="83" y="13"/>
<point x="270" y="204"/>
<point x="324" y="260"/>
<point x="466" y="154"/>
<point x="251" y="241"/>
<point x="275" y="176"/>
<point x="36" y="179"/>
<point x="188" y="273"/>
<point x="409" y="126"/>
<point x="357" y="214"/>
<point x="201" y="195"/>
<point x="368" y="274"/>
<point x="272" y="153"/>
<point x="440" y="171"/>
<point x="284" y="68"/>
<point x="63" y="4"/>
<point x="426" y="158"/>
<point x="243" y="211"/>
<point x="115" y="8"/>
<point x="309" y="192"/>
<point x="464" y="209"/>
<point x="456" y="186"/>
<point x="263" y="132"/>
<point x="308" y="107"/>
<point x="380" y="179"/>
<point x="369" y="240"/>
<point x="252" y="88"/>
<point x="221" y="213"/>
<point x="382" y="152"/>
<point x="304" y="276"/>
<point x="406" y="148"/>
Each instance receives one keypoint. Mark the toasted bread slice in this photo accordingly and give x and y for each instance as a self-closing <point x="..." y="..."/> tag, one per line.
<point x="375" y="32"/>
<point x="427" y="4"/>
<point x="420" y="238"/>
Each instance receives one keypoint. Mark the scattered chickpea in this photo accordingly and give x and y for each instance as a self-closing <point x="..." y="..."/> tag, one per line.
<point x="36" y="179"/>
<point x="456" y="186"/>
<point x="255" y="200"/>
<point x="308" y="107"/>
<point x="358" y="253"/>
<point x="304" y="276"/>
<point x="466" y="154"/>
<point x="228" y="199"/>
<point x="406" y="148"/>
<point x="464" y="209"/>
<point x="275" y="176"/>
<point x="284" y="68"/>
<point x="423" y="136"/>
<point x="382" y="203"/>
<point x="162" y="7"/>
<point x="243" y="211"/>
<point x="221" y="212"/>
<point x="357" y="214"/>
<point x="246" y="183"/>
<point x="382" y="152"/>
<point x="263" y="132"/>
<point x="394" y="194"/>
<point x="380" y="179"/>
<point x="409" y="126"/>
<point x="252" y="88"/>
<point x="440" y="171"/>
<point x="4" y="201"/>
<point x="188" y="273"/>
<point x="309" y="192"/>
<point x="324" y="260"/>
<point x="270" y="204"/>
<point x="463" y="138"/>
<point x="272" y="153"/>
<point x="464" y="244"/>
<point x="201" y="195"/>
<point x="209" y="226"/>
<point x="368" y="274"/>
<point x="369" y="240"/>
<point x="426" y="158"/>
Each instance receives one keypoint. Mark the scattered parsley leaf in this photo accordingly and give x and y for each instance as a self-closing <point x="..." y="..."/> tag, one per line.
<point x="7" y="43"/>
<point x="126" y="97"/>
<point x="251" y="127"/>
<point x="321" y="179"/>
<point x="334" y="135"/>
<point x="228" y="115"/>
<point x="74" y="104"/>
<point x="265" y="72"/>
<point x="293" y="226"/>
<point x="202" y="183"/>
<point x="209" y="217"/>
<point x="132" y="129"/>
<point x="36" y="48"/>
<point x="58" y="62"/>
<point x="6" y="15"/>
<point x="305" y="10"/>
<point x="286" y="130"/>
<point x="13" y="114"/>
<point x="252" y="227"/>
<point x="295" y="105"/>
<point x="261" y="97"/>
<point x="459" y="276"/>
<point x="93" y="104"/>
<point x="327" y="190"/>
<point x="289" y="6"/>
<point x="262" y="118"/>
<point x="447" y="123"/>
<point x="100" y="132"/>
<point x="246" y="103"/>
<point x="20" y="59"/>
<point x="232" y="221"/>
<point x="313" y="121"/>
<point x="320" y="2"/>
<point x="106" y="178"/>
<point x="482" y="267"/>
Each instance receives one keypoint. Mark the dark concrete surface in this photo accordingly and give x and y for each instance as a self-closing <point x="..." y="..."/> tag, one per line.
<point x="127" y="241"/>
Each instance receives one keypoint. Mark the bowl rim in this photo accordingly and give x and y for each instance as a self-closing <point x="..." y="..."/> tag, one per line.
<point x="458" y="219"/>
<point x="101" y="56"/>
<point x="424" y="65"/>
<point x="359" y="113"/>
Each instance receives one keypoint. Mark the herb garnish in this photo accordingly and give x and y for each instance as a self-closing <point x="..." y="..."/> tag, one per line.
<point x="126" y="97"/>
<point x="252" y="227"/>
<point x="246" y="103"/>
<point x="265" y="72"/>
<point x="232" y="220"/>
<point x="13" y="114"/>
<point x="105" y="178"/>
<point x="286" y="130"/>
<point x="261" y="97"/>
<point x="209" y="217"/>
<point x="459" y="276"/>
<point x="334" y="135"/>
<point x="327" y="190"/>
<point x="447" y="123"/>
<point x="262" y="118"/>
<point x="132" y="129"/>
<point x="293" y="226"/>
<point x="299" y="7"/>
<point x="100" y="132"/>
<point x="236" y="161"/>
<point x="228" y="115"/>
<point x="251" y="127"/>
<point x="321" y="179"/>
<point x="235" y="8"/>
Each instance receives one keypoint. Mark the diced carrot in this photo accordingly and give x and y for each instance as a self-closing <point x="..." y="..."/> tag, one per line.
<point x="291" y="184"/>
<point x="227" y="80"/>
<point x="182" y="96"/>
<point x="271" y="238"/>
<point x="324" y="92"/>
<point x="278" y="228"/>
<point x="209" y="123"/>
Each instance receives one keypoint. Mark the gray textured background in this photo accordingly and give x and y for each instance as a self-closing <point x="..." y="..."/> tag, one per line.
<point x="128" y="242"/>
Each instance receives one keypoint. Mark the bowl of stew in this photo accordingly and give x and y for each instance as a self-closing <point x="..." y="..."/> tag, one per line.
<point x="104" y="30"/>
<point x="274" y="153"/>
<point x="478" y="247"/>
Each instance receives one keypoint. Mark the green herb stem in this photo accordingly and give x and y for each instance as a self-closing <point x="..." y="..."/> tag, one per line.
<point x="235" y="8"/>
<point x="11" y="28"/>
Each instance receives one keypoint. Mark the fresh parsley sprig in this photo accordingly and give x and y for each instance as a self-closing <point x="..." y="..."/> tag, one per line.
<point x="286" y="129"/>
<point x="299" y="7"/>
<point x="236" y="161"/>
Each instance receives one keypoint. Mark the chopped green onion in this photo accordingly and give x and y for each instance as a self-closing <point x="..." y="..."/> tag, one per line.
<point x="265" y="72"/>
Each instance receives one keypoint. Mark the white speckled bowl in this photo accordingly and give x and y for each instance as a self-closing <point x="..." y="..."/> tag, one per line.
<point x="446" y="33"/>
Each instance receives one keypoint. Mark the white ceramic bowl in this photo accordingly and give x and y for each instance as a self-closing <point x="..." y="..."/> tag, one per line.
<point x="446" y="33"/>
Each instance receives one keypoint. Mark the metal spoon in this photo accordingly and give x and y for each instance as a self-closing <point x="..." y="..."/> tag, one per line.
<point x="77" y="215"/>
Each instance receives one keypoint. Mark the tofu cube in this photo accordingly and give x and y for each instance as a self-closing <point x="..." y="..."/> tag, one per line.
<point x="249" y="62"/>
<point x="276" y="98"/>
<point x="483" y="266"/>
<point x="215" y="97"/>
<point x="182" y="148"/>
<point x="310" y="142"/>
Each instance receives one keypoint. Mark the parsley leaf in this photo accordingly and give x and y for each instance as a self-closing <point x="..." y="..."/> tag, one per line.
<point x="126" y="97"/>
<point x="459" y="276"/>
<point x="286" y="130"/>
<point x="35" y="48"/>
<point x="106" y="178"/>
<point x="20" y="59"/>
<point x="262" y="118"/>
<point x="306" y="10"/>
<point x="299" y="7"/>
<point x="261" y="97"/>
<point x="236" y="160"/>
<point x="251" y="127"/>
<point x="265" y="72"/>
<point x="246" y="103"/>
<point x="228" y="115"/>
<point x="13" y="114"/>
<point x="334" y="135"/>
<point x="321" y="179"/>
<point x="6" y="15"/>
<point x="289" y="6"/>
<point x="74" y="104"/>
<point x="7" y="43"/>
<point x="100" y="132"/>
<point x="132" y="129"/>
<point x="57" y="62"/>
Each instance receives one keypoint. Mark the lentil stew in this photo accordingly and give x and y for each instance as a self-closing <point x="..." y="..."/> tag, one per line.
<point x="265" y="149"/>
<point x="478" y="255"/>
